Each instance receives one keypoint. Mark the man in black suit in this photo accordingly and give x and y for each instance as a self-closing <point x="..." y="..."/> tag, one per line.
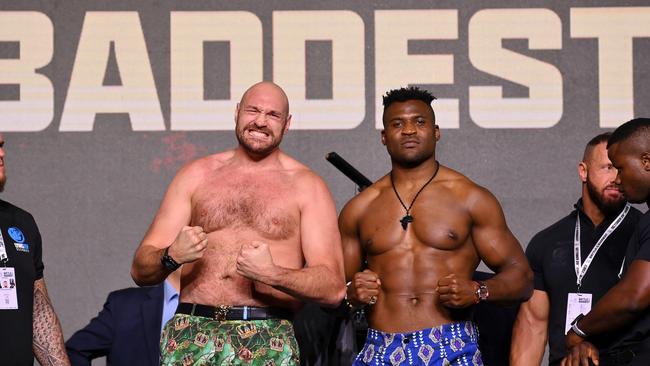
<point x="127" y="330"/>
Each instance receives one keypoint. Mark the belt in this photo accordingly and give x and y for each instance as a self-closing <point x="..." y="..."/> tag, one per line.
<point x="227" y="312"/>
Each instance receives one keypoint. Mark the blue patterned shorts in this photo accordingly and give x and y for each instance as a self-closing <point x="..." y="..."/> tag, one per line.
<point x="447" y="344"/>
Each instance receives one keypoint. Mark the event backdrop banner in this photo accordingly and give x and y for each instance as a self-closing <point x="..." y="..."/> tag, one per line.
<point x="101" y="102"/>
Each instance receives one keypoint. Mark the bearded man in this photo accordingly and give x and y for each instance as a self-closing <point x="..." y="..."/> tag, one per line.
<point x="256" y="233"/>
<point x="575" y="261"/>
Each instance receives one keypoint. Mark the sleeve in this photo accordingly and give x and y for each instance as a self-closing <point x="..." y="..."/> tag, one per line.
<point x="37" y="248"/>
<point x="95" y="339"/>
<point x="535" y="257"/>
<point x="642" y="235"/>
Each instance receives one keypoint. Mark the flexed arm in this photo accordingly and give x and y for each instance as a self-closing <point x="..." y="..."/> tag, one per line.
<point x="321" y="280"/>
<point x="169" y="230"/>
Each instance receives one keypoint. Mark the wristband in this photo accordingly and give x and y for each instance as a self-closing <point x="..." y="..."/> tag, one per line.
<point x="574" y="326"/>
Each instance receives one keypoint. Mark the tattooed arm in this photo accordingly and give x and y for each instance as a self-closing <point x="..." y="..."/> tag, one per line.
<point x="48" y="338"/>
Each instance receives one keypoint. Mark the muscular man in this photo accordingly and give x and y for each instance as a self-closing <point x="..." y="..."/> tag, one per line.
<point x="27" y="319"/>
<point x="626" y="306"/>
<point x="257" y="233"/>
<point x="423" y="229"/>
<point x="563" y="288"/>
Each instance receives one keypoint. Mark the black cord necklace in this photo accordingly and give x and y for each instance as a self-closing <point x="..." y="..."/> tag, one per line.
<point x="407" y="219"/>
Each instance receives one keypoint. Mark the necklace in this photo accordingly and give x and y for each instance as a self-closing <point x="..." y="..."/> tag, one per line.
<point x="407" y="219"/>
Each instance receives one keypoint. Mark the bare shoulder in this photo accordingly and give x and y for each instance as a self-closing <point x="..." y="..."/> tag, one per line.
<point x="464" y="189"/>
<point x="304" y="179"/>
<point x="197" y="169"/>
<point x="358" y="204"/>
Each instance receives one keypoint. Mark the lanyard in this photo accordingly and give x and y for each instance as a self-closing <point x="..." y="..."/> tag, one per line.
<point x="581" y="268"/>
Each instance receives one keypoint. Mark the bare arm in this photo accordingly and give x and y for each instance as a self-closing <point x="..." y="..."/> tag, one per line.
<point x="321" y="280"/>
<point x="500" y="250"/>
<point x="530" y="331"/>
<point x="48" y="345"/>
<point x="169" y="229"/>
<point x="621" y="304"/>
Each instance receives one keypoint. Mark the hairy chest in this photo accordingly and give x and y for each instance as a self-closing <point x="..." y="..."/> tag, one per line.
<point x="266" y="205"/>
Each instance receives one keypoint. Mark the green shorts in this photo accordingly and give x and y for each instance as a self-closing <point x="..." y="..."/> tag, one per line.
<point x="193" y="340"/>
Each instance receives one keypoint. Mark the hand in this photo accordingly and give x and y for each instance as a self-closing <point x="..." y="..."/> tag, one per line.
<point x="457" y="292"/>
<point x="580" y="355"/>
<point x="189" y="245"/>
<point x="572" y="339"/>
<point x="364" y="288"/>
<point x="255" y="261"/>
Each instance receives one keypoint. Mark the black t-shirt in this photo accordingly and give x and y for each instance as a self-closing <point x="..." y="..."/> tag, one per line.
<point x="550" y="254"/>
<point x="637" y="334"/>
<point x="22" y="241"/>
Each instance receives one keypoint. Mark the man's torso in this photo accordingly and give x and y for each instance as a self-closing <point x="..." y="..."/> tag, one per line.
<point x="235" y="206"/>
<point x="23" y="251"/>
<point x="551" y="255"/>
<point x="410" y="262"/>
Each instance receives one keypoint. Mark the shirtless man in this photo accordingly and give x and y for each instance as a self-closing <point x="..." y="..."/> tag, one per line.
<point x="423" y="229"/>
<point x="256" y="233"/>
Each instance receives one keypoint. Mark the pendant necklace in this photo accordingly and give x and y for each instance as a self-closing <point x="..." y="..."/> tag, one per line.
<point x="407" y="219"/>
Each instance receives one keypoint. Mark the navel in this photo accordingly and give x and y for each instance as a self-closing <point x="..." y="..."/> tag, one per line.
<point x="452" y="235"/>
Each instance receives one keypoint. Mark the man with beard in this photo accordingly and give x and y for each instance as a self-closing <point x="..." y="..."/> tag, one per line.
<point x="423" y="229"/>
<point x="626" y="306"/>
<point x="29" y="324"/>
<point x="574" y="261"/>
<point x="256" y="231"/>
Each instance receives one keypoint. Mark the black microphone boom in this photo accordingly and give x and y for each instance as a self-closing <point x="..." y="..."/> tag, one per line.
<point x="349" y="171"/>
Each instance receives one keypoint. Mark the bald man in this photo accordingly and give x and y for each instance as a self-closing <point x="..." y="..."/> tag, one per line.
<point x="257" y="234"/>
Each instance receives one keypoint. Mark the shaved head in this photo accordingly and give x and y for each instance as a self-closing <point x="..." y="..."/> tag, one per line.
<point x="267" y="88"/>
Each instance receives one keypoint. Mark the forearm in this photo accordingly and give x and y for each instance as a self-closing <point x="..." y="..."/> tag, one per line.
<point x="613" y="311"/>
<point x="316" y="284"/>
<point x="513" y="284"/>
<point x="528" y="343"/>
<point x="147" y="269"/>
<point x="48" y="338"/>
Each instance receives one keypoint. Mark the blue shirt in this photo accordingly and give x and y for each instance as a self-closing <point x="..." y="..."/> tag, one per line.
<point x="170" y="302"/>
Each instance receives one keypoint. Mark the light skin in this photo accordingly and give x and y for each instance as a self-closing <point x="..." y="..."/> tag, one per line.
<point x="47" y="340"/>
<point x="48" y="344"/>
<point x="630" y="297"/>
<point x="530" y="330"/>
<point x="421" y="276"/>
<point x="252" y="226"/>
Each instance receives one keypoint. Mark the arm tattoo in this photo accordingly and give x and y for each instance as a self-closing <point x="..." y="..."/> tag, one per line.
<point x="48" y="338"/>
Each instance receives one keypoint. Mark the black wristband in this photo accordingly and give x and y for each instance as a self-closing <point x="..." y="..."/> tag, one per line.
<point x="169" y="262"/>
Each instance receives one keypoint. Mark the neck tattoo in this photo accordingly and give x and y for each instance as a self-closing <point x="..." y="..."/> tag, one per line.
<point x="407" y="219"/>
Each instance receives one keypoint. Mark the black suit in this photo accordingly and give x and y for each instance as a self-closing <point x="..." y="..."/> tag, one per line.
<point x="126" y="331"/>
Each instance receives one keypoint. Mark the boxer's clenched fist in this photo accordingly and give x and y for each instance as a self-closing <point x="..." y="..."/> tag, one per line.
<point x="189" y="245"/>
<point x="456" y="292"/>
<point x="364" y="288"/>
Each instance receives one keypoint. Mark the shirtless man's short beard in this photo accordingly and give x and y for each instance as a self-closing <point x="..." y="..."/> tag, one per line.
<point x="256" y="147"/>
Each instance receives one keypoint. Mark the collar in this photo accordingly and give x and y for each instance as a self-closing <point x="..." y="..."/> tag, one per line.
<point x="170" y="291"/>
<point x="583" y="216"/>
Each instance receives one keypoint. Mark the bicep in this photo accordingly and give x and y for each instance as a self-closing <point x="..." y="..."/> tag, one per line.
<point x="174" y="213"/>
<point x="634" y="287"/>
<point x="352" y="251"/>
<point x="319" y="235"/>
<point x="494" y="241"/>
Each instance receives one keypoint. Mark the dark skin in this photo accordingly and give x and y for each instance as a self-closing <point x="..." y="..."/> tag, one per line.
<point x="421" y="276"/>
<point x="627" y="300"/>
